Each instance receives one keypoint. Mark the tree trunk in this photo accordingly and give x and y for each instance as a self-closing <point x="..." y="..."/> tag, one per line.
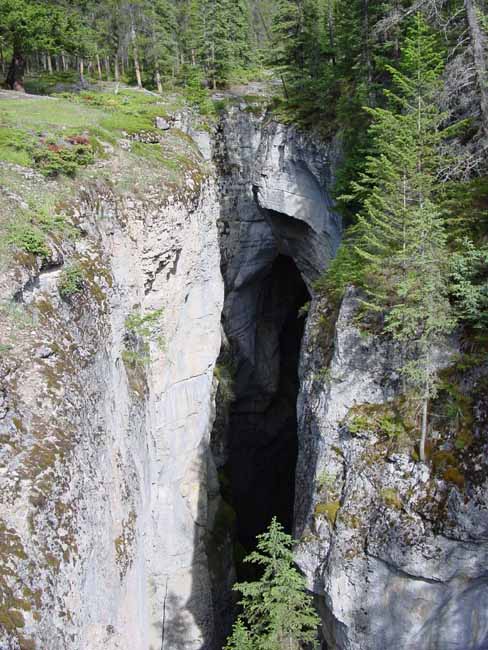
<point x="214" y="80"/>
<point x="116" y="69"/>
<point x="64" y="62"/>
<point x="135" y="55"/>
<point x="108" y="71"/>
<point x="477" y="39"/>
<point x="330" y="22"/>
<point x="15" y="76"/>
<point x="99" y="67"/>
<point x="49" y="63"/>
<point x="81" y="70"/>
<point x="158" y="80"/>
<point x="423" y="436"/>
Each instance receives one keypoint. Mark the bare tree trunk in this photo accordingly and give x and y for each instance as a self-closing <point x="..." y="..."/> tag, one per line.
<point x="99" y="67"/>
<point x="367" y="50"/>
<point x="135" y="54"/>
<point x="81" y="70"/>
<point x="330" y="23"/>
<point x="64" y="63"/>
<point x="423" y="435"/>
<point x="158" y="80"/>
<point x="16" y="72"/>
<point x="116" y="69"/>
<point x="214" y="80"/>
<point x="49" y="63"/>
<point x="108" y="71"/>
<point x="477" y="38"/>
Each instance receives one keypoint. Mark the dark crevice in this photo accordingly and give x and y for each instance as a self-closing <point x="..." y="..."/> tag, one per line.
<point x="262" y="425"/>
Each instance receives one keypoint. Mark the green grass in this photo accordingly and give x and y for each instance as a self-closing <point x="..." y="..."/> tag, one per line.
<point x="15" y="146"/>
<point x="39" y="133"/>
<point x="36" y="132"/>
<point x="70" y="139"/>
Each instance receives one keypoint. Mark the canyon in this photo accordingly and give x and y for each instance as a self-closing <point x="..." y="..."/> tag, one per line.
<point x="137" y="461"/>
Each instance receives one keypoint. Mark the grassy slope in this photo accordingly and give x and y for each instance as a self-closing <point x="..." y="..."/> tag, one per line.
<point x="50" y="146"/>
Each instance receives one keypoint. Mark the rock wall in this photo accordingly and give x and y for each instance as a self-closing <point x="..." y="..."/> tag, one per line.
<point x="395" y="550"/>
<point x="108" y="490"/>
<point x="277" y="232"/>
<point x="274" y="188"/>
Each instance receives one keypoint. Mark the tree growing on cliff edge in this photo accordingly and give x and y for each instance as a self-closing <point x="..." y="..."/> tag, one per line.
<point x="277" y="612"/>
<point x="400" y="242"/>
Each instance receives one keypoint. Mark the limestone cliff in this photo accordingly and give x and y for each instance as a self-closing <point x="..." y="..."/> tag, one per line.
<point x="107" y="486"/>
<point x="395" y="550"/>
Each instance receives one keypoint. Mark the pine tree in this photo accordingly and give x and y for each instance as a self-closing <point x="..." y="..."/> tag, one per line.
<point x="240" y="35"/>
<point x="400" y="240"/>
<point x="277" y="612"/>
<point x="240" y="638"/>
<point x="160" y="26"/>
<point x="284" y="45"/>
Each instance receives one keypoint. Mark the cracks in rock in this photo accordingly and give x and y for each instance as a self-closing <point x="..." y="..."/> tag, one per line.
<point x="148" y="285"/>
<point x="401" y="573"/>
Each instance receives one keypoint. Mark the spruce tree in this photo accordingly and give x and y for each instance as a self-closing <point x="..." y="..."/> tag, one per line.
<point x="400" y="241"/>
<point x="277" y="612"/>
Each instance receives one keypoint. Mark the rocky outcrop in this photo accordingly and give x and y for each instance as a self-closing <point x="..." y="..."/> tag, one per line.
<point x="293" y="180"/>
<point x="108" y="489"/>
<point x="113" y="532"/>
<point x="395" y="550"/>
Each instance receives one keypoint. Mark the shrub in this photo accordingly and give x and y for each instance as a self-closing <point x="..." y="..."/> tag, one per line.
<point x="325" y="480"/>
<point x="54" y="159"/>
<point x="391" y="498"/>
<point x="71" y="281"/>
<point x="453" y="475"/>
<point x="382" y="419"/>
<point x="27" y="237"/>
<point x="224" y="374"/>
<point x="141" y="330"/>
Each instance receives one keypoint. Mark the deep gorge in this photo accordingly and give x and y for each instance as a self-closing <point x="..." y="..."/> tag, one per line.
<point x="138" y="493"/>
<point x="263" y="443"/>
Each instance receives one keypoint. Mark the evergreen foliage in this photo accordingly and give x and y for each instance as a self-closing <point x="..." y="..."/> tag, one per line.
<point x="400" y="244"/>
<point x="277" y="612"/>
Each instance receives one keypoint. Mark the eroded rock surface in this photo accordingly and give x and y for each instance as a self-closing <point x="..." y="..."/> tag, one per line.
<point x="278" y="231"/>
<point x="395" y="552"/>
<point x="108" y="490"/>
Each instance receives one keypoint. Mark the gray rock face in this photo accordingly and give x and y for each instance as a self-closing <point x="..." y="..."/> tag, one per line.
<point x="275" y="198"/>
<point x="108" y="490"/>
<point x="293" y="179"/>
<point x="385" y="543"/>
